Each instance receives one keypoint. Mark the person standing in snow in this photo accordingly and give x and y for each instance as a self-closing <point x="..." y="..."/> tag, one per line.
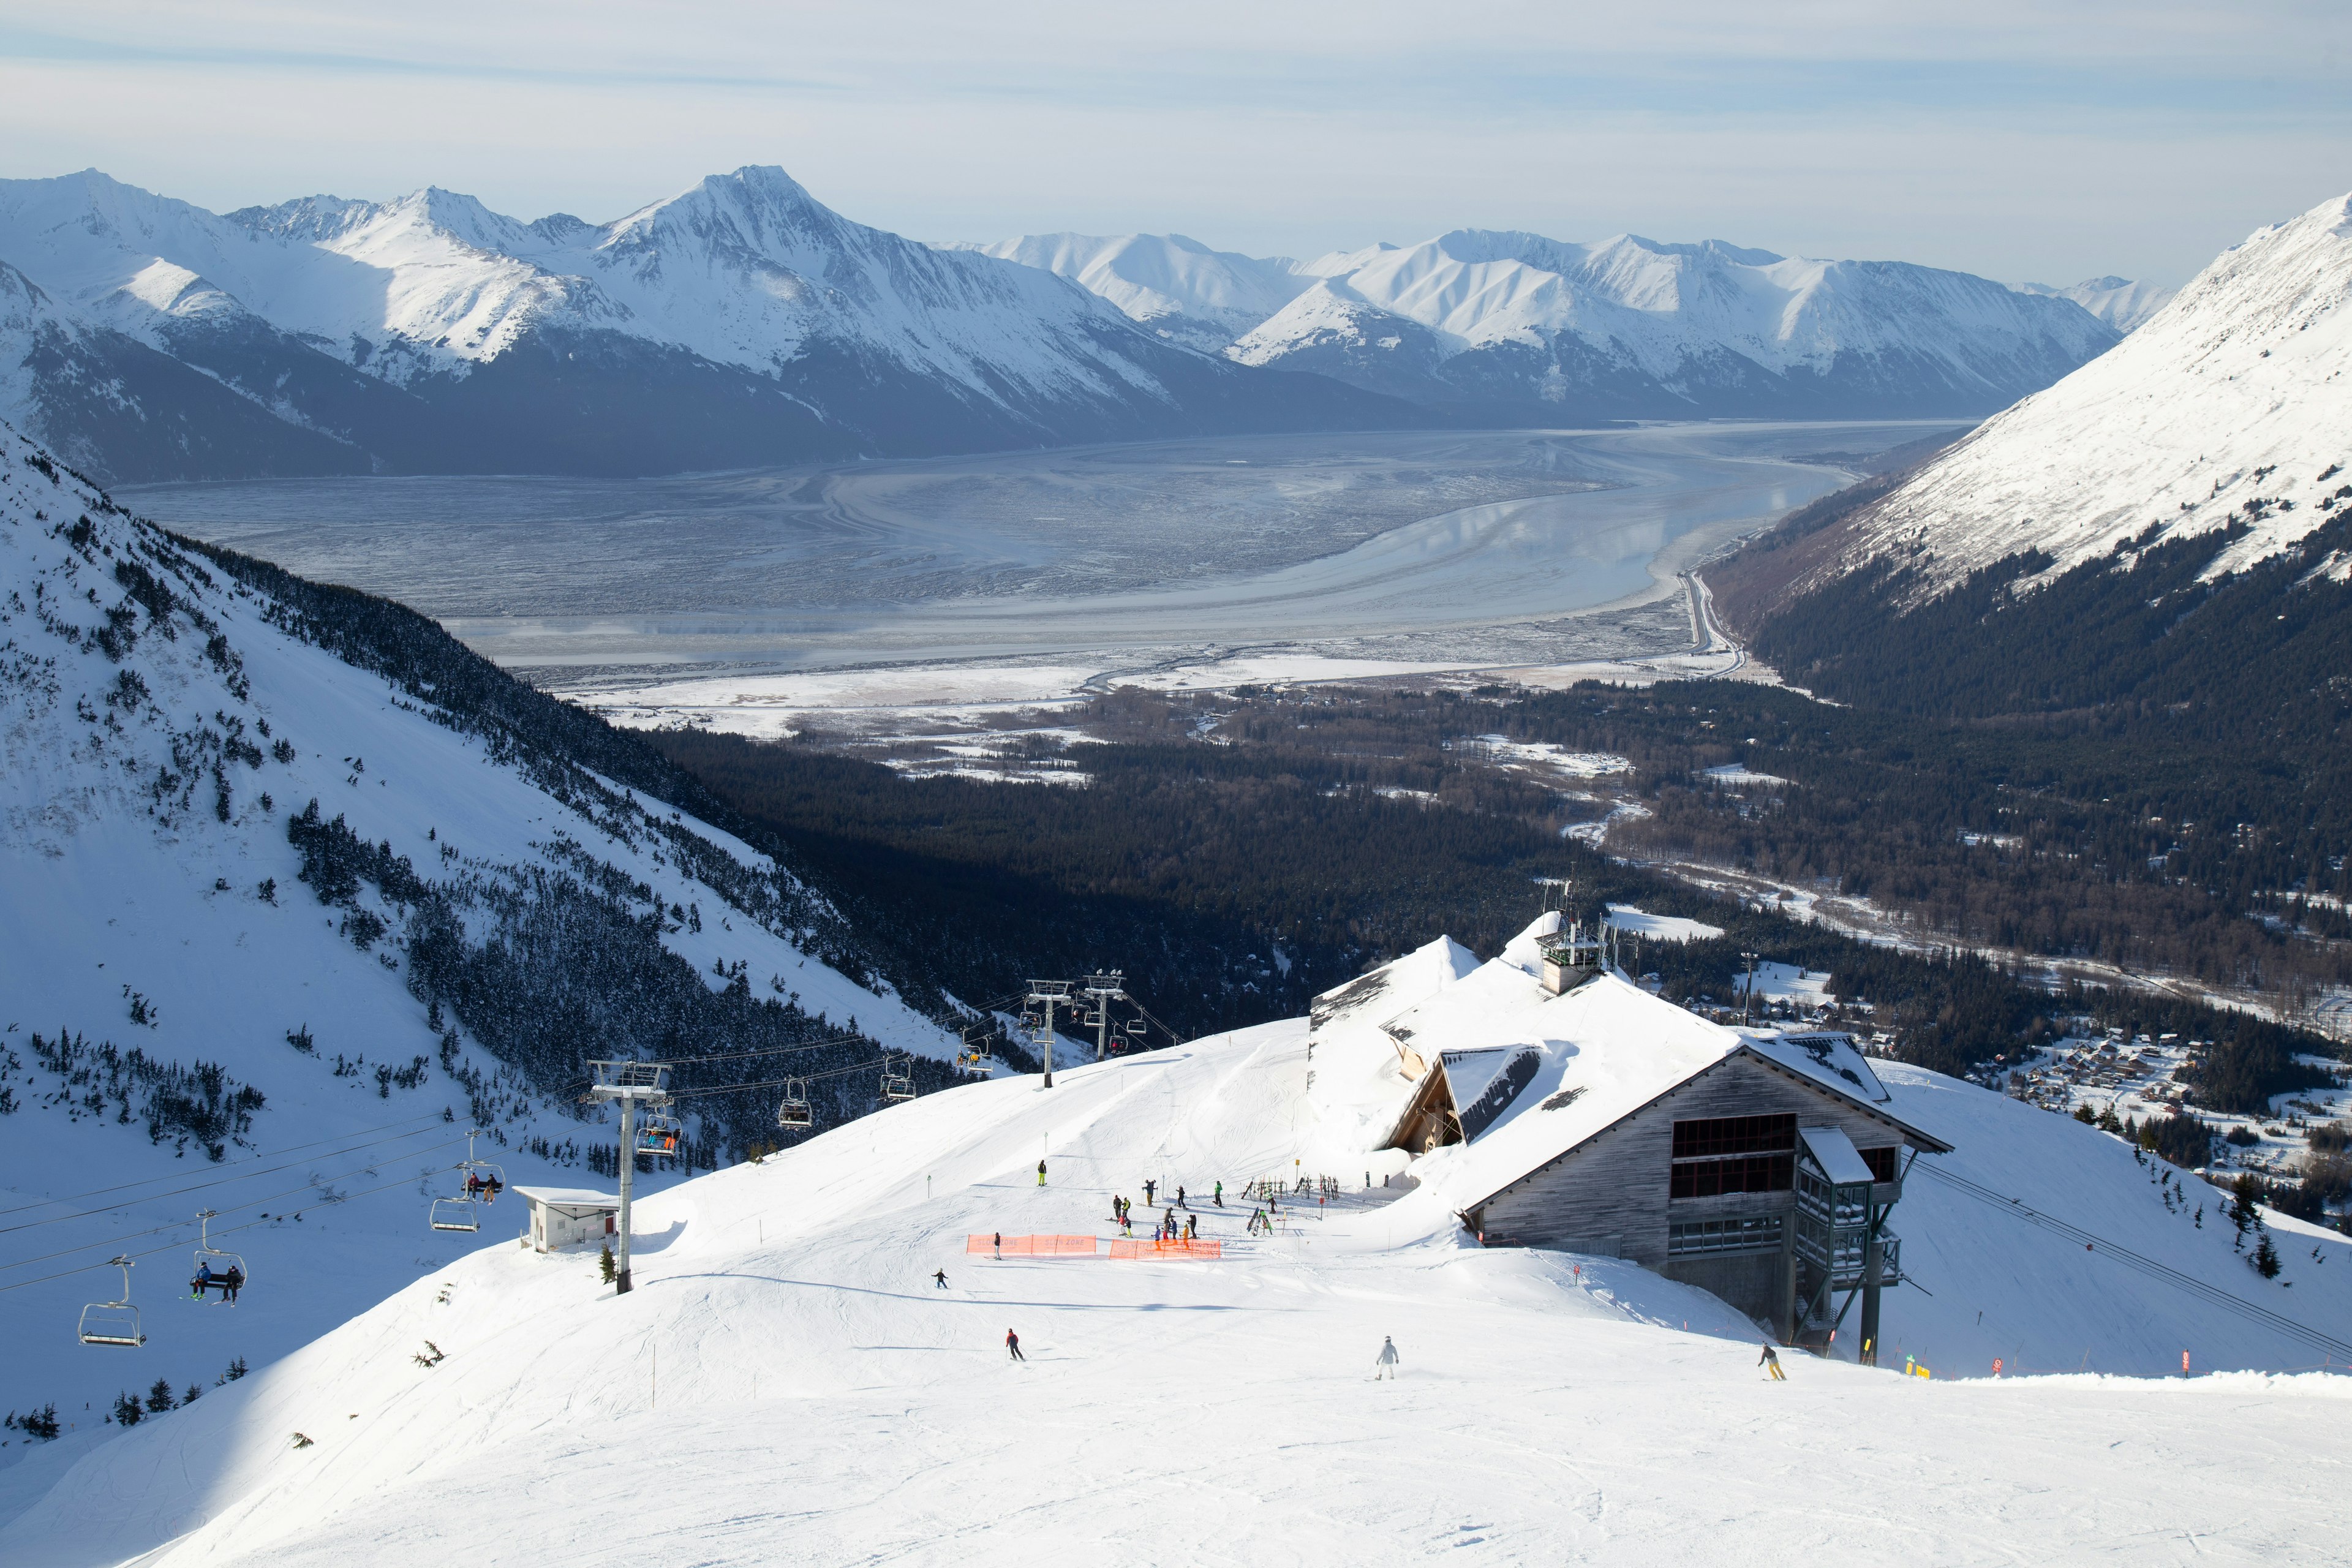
<point x="1771" y="1358"/>
<point x="1012" y="1343"/>
<point x="1179" y="1196"/>
<point x="1147" y="1185"/>
<point x="1220" y="1195"/>
<point x="943" y="1278"/>
<point x="1385" y="1366"/>
<point x="999" y="1247"/>
<point x="1041" y="1173"/>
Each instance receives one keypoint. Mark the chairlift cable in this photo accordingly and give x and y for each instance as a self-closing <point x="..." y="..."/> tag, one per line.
<point x="264" y="1155"/>
<point x="270" y="1197"/>
<point x="2210" y="1293"/>
<point x="175" y="1246"/>
<point x="200" y="1186"/>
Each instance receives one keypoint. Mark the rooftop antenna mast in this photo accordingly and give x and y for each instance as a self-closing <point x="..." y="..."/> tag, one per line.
<point x="1105" y="988"/>
<point x="632" y="1084"/>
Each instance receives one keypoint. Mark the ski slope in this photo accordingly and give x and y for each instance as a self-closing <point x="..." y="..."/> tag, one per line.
<point x="788" y="1383"/>
<point x="172" y="922"/>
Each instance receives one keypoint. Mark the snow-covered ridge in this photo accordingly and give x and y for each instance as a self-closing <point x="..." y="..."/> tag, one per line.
<point x="1177" y="287"/>
<point x="165" y="729"/>
<point x="1543" y="321"/>
<point x="2227" y="406"/>
<point x="2122" y="302"/>
<point x="742" y="268"/>
<point x="740" y="321"/>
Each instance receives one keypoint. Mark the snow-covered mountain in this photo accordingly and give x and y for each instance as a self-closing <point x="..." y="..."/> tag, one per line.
<point x="2227" y="410"/>
<point x="810" y="1333"/>
<point x="1179" y="288"/>
<point x="738" y="322"/>
<point x="1514" y="327"/>
<point x="297" y="889"/>
<point x="1629" y="327"/>
<point x="2121" y="302"/>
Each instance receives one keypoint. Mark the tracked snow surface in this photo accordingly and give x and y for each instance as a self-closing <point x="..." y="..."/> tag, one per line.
<point x="160" y="724"/>
<point x="790" y="1382"/>
<point x="2225" y="408"/>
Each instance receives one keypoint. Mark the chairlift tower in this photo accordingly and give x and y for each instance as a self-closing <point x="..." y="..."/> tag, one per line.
<point x="1049" y="995"/>
<point x="631" y="1084"/>
<point x="1105" y="988"/>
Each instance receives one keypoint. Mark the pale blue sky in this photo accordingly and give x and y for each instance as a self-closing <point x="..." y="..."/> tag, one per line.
<point x="2021" y="141"/>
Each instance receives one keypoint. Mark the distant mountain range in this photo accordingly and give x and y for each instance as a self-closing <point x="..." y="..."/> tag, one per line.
<point x="740" y="323"/>
<point x="743" y="322"/>
<point x="1510" y="329"/>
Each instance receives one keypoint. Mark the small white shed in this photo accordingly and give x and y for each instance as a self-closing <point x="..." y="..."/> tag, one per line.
<point x="565" y="1217"/>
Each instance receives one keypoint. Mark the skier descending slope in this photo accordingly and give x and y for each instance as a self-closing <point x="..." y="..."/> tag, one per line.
<point x="1012" y="1343"/>
<point x="943" y="1278"/>
<point x="1386" y="1365"/>
<point x="1773" y="1360"/>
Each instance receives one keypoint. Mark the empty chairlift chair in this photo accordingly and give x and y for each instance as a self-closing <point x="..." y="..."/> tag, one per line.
<point x="113" y="1322"/>
<point x="897" y="1078"/>
<point x="794" y="1111"/>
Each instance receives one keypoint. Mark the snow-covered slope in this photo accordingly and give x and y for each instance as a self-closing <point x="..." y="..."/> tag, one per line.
<point x="2229" y="408"/>
<point x="2122" y="302"/>
<point x="1640" y="328"/>
<point x="399" y="327"/>
<point x="789" y="1383"/>
<point x="1177" y="287"/>
<point x="493" y="908"/>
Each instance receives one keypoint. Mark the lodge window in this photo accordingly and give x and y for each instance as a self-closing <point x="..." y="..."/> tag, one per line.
<point x="1759" y="1233"/>
<point x="1723" y="1135"/>
<point x="1881" y="1163"/>
<point x="1742" y="1174"/>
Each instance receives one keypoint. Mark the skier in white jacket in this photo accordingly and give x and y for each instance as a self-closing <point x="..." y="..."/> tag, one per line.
<point x="1386" y="1365"/>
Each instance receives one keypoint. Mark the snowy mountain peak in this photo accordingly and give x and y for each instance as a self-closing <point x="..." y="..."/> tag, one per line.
<point x="2121" y="302"/>
<point x="2230" y="408"/>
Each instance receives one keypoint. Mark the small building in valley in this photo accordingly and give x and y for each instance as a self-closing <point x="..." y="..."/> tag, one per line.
<point x="1560" y="1105"/>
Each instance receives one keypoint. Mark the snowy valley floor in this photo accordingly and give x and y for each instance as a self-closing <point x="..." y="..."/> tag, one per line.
<point x="788" y="1385"/>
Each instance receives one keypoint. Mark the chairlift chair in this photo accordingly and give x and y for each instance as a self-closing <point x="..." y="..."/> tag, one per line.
<point x="1135" y="1028"/>
<point x="794" y="1111"/>
<point x="212" y="1266"/>
<point x="483" y="1183"/>
<point x="113" y="1322"/>
<point x="660" y="1134"/>
<point x="898" y="1080"/>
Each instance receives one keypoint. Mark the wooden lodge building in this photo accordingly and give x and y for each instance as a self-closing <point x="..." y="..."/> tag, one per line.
<point x="1558" y="1105"/>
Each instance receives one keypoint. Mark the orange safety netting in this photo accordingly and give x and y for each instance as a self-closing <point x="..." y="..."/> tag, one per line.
<point x="1030" y="1247"/>
<point x="1132" y="1250"/>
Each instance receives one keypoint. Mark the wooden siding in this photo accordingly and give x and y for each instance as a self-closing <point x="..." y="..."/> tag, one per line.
<point x="1615" y="1182"/>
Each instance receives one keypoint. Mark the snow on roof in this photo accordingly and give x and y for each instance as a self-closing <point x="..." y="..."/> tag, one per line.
<point x="571" y="1198"/>
<point x="1834" y="1153"/>
<point x="1822" y="1054"/>
<point x="1602" y="1052"/>
<point x="1359" y="1085"/>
